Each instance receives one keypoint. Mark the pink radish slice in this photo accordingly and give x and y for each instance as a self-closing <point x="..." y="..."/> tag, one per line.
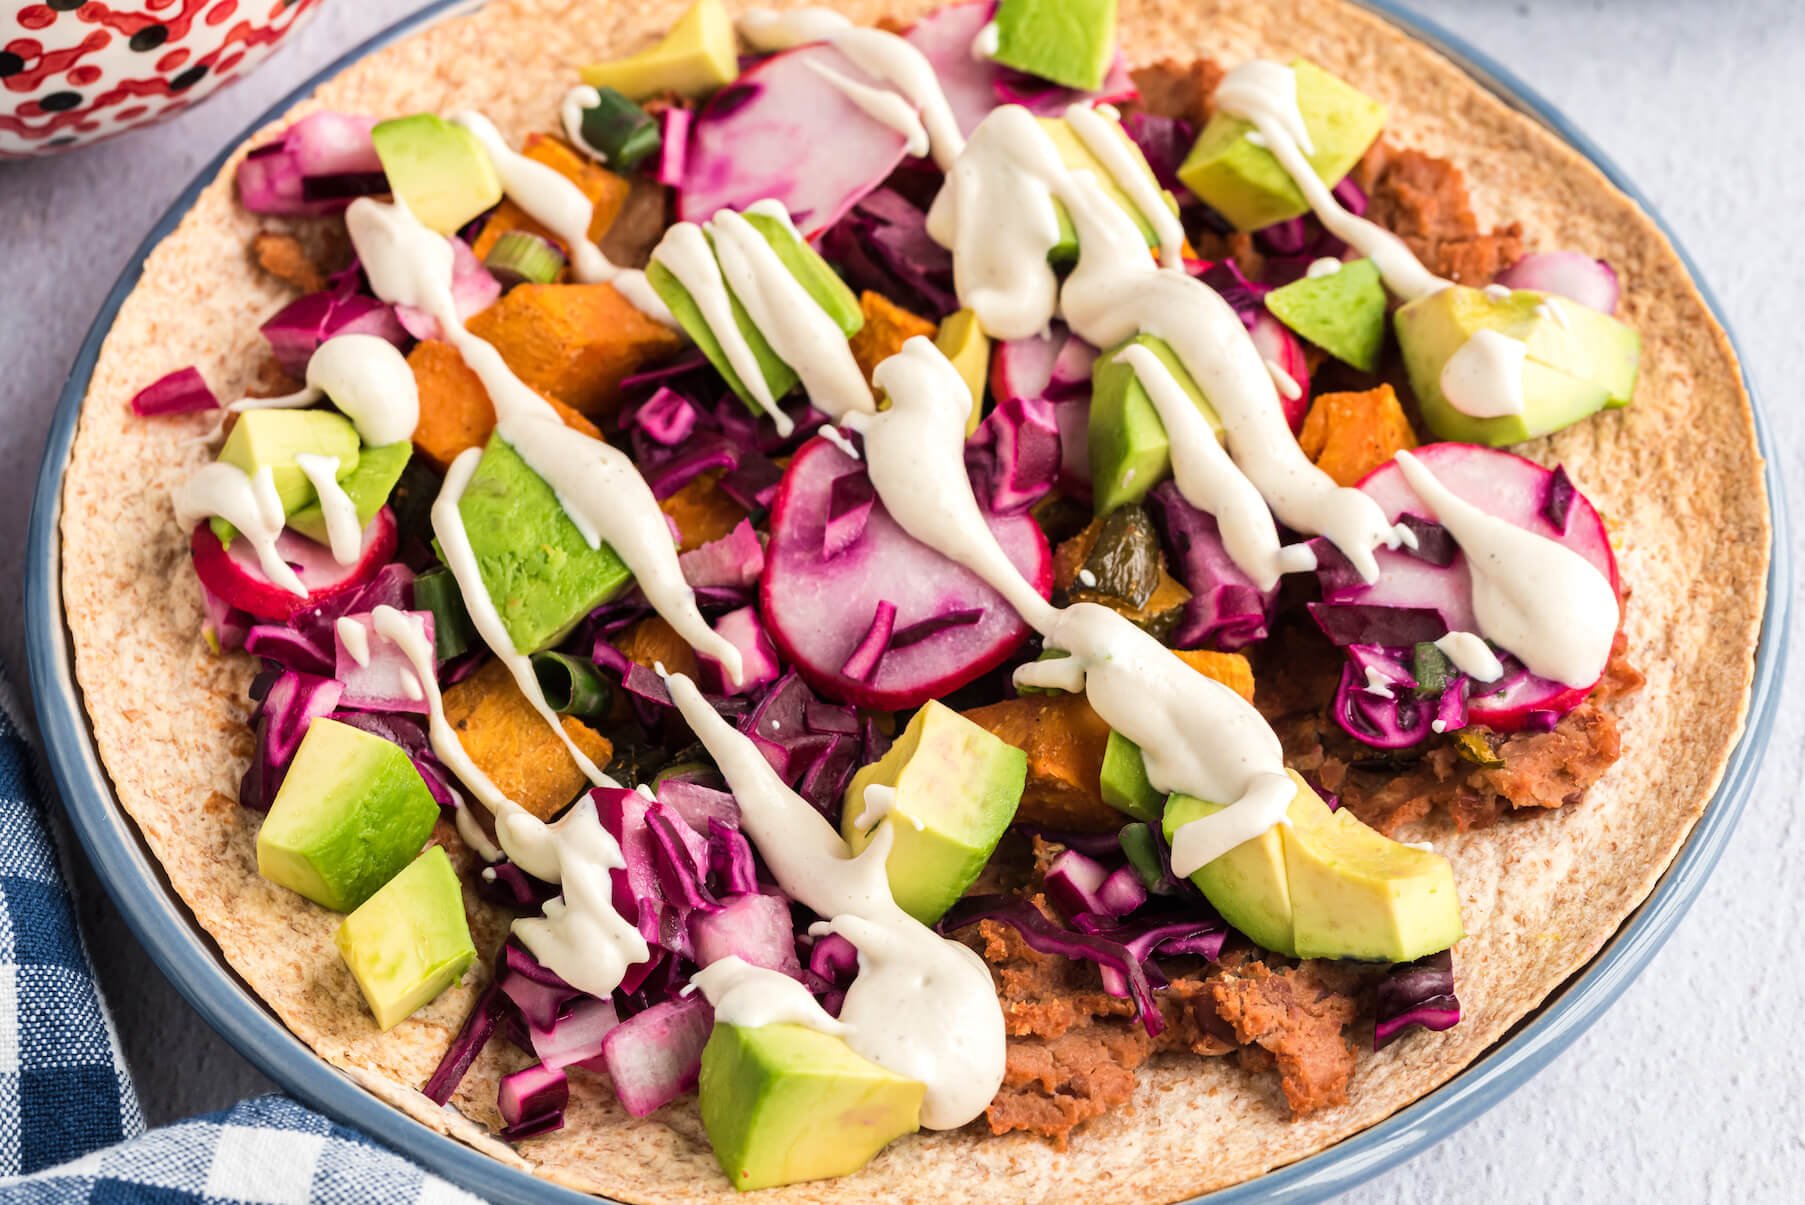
<point x="785" y="132"/>
<point x="1282" y="350"/>
<point x="1591" y="282"/>
<point x="235" y="577"/>
<point x="655" y="1056"/>
<point x="756" y="928"/>
<point x="818" y="610"/>
<point x="758" y="660"/>
<point x="1024" y="367"/>
<point x="1512" y="488"/>
<point x="382" y="680"/>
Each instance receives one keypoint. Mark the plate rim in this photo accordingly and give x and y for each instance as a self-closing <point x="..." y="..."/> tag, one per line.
<point x="184" y="954"/>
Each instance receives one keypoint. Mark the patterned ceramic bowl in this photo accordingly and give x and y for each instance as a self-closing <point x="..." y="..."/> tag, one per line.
<point x="75" y="71"/>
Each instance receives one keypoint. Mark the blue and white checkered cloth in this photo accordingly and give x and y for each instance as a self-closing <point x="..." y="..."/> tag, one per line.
<point x="70" y="1129"/>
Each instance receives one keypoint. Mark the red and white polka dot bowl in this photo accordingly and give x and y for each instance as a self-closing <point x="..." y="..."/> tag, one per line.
<point x="75" y="71"/>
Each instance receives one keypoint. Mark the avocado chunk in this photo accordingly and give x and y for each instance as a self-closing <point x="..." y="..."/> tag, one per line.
<point x="273" y="438"/>
<point x="368" y="486"/>
<point x="1343" y="312"/>
<point x="956" y="790"/>
<point x="962" y="341"/>
<point x="1078" y="157"/>
<point x="698" y="56"/>
<point x="1577" y="360"/>
<point x="1129" y="451"/>
<point x="1123" y="780"/>
<point x="540" y="573"/>
<point x="351" y="813"/>
<point x="1070" y="42"/>
<point x="1247" y="185"/>
<point x="409" y="941"/>
<point x="809" y="269"/>
<point x="437" y="169"/>
<point x="1248" y="885"/>
<point x="1325" y="885"/>
<point x="785" y="1103"/>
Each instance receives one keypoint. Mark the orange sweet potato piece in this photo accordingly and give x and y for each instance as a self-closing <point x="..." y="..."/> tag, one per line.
<point x="1064" y="740"/>
<point x="1349" y="435"/>
<point x="887" y="327"/>
<point x="515" y="747"/>
<point x="605" y="190"/>
<point x="1230" y="669"/>
<point x="455" y="410"/>
<point x="702" y="512"/>
<point x="574" y="342"/>
<point x="652" y="642"/>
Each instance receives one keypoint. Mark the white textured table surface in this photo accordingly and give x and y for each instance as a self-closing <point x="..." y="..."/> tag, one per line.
<point x="1691" y="1088"/>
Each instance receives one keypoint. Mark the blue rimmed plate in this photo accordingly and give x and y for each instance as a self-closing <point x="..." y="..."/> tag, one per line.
<point x="165" y="928"/>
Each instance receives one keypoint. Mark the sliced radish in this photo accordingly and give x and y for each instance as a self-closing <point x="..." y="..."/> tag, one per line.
<point x="755" y="928"/>
<point x="1282" y="351"/>
<point x="1591" y="282"/>
<point x="784" y="131"/>
<point x="1500" y="483"/>
<point x="819" y="610"/>
<point x="377" y="675"/>
<point x="654" y="1057"/>
<point x="235" y="577"/>
<point x="1024" y="367"/>
<point x="758" y="660"/>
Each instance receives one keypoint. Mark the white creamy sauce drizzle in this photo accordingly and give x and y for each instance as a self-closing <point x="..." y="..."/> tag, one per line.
<point x="1209" y="480"/>
<point x="344" y="534"/>
<point x="597" y="484"/>
<point x="883" y="56"/>
<point x="878" y="800"/>
<point x="248" y="503"/>
<point x="1103" y="137"/>
<point x="369" y="381"/>
<point x="1264" y="94"/>
<point x="915" y="450"/>
<point x="557" y="204"/>
<point x="300" y="399"/>
<point x="1496" y="292"/>
<point x="1378" y="684"/>
<point x="570" y="119"/>
<point x="1539" y="600"/>
<point x="685" y="254"/>
<point x="987" y="43"/>
<point x="1484" y="376"/>
<point x="355" y="637"/>
<point x="1471" y="656"/>
<point x="1319" y="268"/>
<point x="996" y="212"/>
<point x="750" y="997"/>
<point x="1287" y="385"/>
<point x="921" y="1006"/>
<point x="882" y="105"/>
<point x="580" y="937"/>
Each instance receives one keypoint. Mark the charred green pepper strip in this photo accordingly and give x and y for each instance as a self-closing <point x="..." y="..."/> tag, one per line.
<point x="1124" y="563"/>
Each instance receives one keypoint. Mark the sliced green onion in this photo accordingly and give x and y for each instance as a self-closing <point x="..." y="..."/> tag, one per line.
<point x="624" y="133"/>
<point x="1432" y="670"/>
<point x="452" y="632"/>
<point x="572" y="686"/>
<point x="522" y="257"/>
<point x="1142" y="848"/>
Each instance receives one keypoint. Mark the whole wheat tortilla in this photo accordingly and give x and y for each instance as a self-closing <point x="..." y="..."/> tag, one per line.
<point x="1677" y="473"/>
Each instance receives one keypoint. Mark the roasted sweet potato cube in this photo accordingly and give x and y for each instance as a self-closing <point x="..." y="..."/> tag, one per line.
<point x="1349" y="435"/>
<point x="1230" y="669"/>
<point x="702" y="512"/>
<point x="455" y="411"/>
<point x="652" y="642"/>
<point x="515" y="747"/>
<point x="887" y="327"/>
<point x="574" y="342"/>
<point x="605" y="190"/>
<point x="1064" y="740"/>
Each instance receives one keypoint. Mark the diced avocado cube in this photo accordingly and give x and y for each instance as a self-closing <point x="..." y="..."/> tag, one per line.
<point x="1577" y="360"/>
<point x="698" y="56"/>
<point x="540" y="573"/>
<point x="352" y="811"/>
<point x="962" y="340"/>
<point x="1248" y="885"/>
<point x="1124" y="780"/>
<point x="1247" y="185"/>
<point x="805" y="264"/>
<point x="956" y="790"/>
<point x="1343" y="312"/>
<point x="1129" y="451"/>
<point x="273" y="438"/>
<point x="784" y="1103"/>
<point x="1078" y="157"/>
<point x="409" y="941"/>
<point x="368" y="486"/>
<point x="437" y="168"/>
<point x="1325" y="885"/>
<point x="1070" y="42"/>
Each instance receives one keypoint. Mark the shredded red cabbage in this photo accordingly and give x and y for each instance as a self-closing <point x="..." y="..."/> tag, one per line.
<point x="882" y="244"/>
<point x="1226" y="610"/>
<point x="1416" y="993"/>
<point x="296" y="331"/>
<point x="293" y="701"/>
<point x="1557" y="503"/>
<point x="183" y="391"/>
<point x="1014" y="456"/>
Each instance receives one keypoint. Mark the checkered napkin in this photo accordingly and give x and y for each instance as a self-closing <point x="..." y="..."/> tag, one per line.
<point x="70" y="1129"/>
